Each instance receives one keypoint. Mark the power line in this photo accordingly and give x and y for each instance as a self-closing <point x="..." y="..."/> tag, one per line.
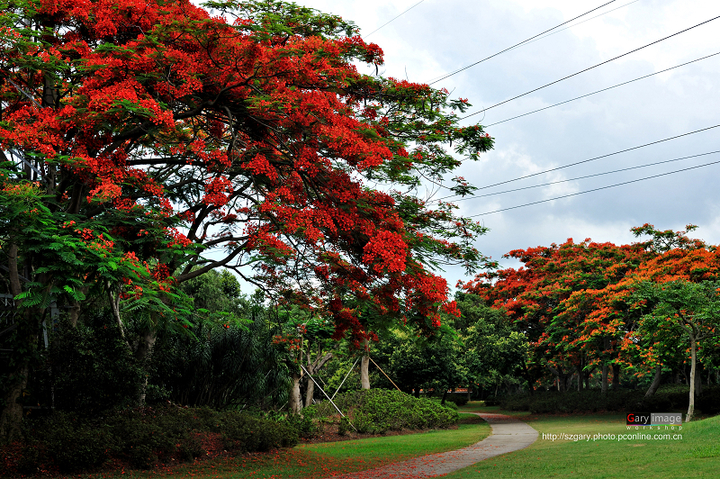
<point x="595" y="189"/>
<point x="600" y="91"/>
<point x="518" y="44"/>
<point x="594" y="158"/>
<point x="594" y="175"/>
<point x="395" y="18"/>
<point x="589" y="68"/>
<point x="584" y="21"/>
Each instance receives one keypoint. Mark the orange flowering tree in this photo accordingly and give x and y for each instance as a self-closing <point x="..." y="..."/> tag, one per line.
<point x="589" y="304"/>
<point x="670" y="256"/>
<point x="548" y="299"/>
<point x="159" y="132"/>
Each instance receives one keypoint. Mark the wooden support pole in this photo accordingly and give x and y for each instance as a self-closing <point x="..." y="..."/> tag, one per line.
<point x="328" y="397"/>
<point x="388" y="377"/>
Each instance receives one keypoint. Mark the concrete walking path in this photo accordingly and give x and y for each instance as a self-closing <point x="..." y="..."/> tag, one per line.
<point x="508" y="435"/>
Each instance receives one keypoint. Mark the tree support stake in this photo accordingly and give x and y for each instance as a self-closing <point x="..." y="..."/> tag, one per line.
<point x="328" y="397"/>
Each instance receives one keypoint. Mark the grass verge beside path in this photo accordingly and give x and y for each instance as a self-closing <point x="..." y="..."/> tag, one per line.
<point x="324" y="459"/>
<point x="696" y="454"/>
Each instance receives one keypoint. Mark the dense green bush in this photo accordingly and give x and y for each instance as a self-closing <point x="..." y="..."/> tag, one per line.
<point x="305" y="424"/>
<point x="69" y="442"/>
<point x="709" y="400"/>
<point x="92" y="369"/>
<point x="667" y="398"/>
<point x="572" y="401"/>
<point x="376" y="411"/>
<point x="221" y="366"/>
<point x="143" y="437"/>
<point x="457" y="399"/>
<point x="245" y="433"/>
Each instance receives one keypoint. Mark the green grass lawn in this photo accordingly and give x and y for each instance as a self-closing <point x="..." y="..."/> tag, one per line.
<point x="323" y="459"/>
<point x="696" y="454"/>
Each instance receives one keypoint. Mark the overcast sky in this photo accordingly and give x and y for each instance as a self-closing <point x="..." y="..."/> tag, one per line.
<point x="440" y="36"/>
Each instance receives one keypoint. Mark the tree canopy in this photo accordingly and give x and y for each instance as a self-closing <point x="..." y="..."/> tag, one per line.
<point x="154" y="132"/>
<point x="585" y="305"/>
<point x="143" y="144"/>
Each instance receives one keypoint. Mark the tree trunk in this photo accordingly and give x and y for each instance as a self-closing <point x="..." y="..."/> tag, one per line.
<point x="588" y="378"/>
<point x="295" y="402"/>
<point x="143" y="354"/>
<point x="364" y="366"/>
<point x="12" y="413"/>
<point x="26" y="337"/>
<point x="580" y="380"/>
<point x="74" y="314"/>
<point x="656" y="381"/>
<point x="616" y="377"/>
<point x="604" y="380"/>
<point x="312" y="369"/>
<point x="693" y="353"/>
<point x="309" y="392"/>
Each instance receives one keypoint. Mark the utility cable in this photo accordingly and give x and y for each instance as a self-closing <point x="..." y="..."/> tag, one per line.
<point x="584" y="21"/>
<point x="518" y="44"/>
<point x="595" y="189"/>
<point x="594" y="158"/>
<point x="395" y="18"/>
<point x="594" y="175"/>
<point x="600" y="91"/>
<point x="589" y="68"/>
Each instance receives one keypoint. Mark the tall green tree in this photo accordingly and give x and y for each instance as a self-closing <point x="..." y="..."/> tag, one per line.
<point x="690" y="310"/>
<point x="494" y="351"/>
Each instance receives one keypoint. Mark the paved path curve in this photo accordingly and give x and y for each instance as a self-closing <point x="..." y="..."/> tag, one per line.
<point x="508" y="435"/>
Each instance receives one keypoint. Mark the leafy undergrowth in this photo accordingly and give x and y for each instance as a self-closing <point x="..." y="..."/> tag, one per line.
<point x="143" y="438"/>
<point x="376" y="411"/>
<point x="317" y="460"/>
<point x="160" y="439"/>
<point x="667" y="398"/>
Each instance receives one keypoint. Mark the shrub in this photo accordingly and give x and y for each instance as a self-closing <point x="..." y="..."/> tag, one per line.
<point x="246" y="433"/>
<point x="573" y="401"/>
<point x="143" y="437"/>
<point x="667" y="398"/>
<point x="92" y="368"/>
<point x="377" y="411"/>
<point x="304" y="424"/>
<point x="709" y="400"/>
<point x="457" y="399"/>
<point x="72" y="444"/>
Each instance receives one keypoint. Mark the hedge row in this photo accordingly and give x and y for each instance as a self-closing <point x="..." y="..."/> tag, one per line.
<point x="668" y="398"/>
<point x="68" y="443"/>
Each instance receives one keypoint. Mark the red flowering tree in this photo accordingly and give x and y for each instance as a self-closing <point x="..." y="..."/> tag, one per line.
<point x="670" y="256"/>
<point x="551" y="300"/>
<point x="151" y="133"/>
<point x="580" y="307"/>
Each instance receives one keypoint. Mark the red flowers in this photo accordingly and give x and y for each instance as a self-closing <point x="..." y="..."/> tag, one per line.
<point x="386" y="250"/>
